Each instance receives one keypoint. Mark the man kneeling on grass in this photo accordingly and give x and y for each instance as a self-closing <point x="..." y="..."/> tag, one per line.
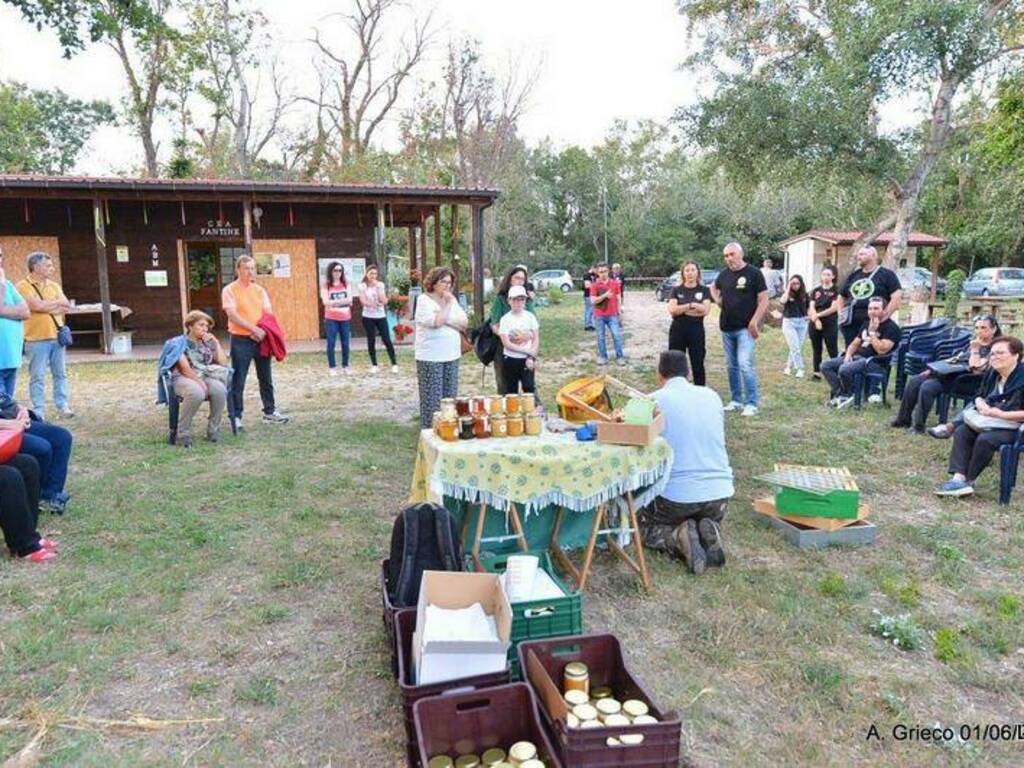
<point x="684" y="520"/>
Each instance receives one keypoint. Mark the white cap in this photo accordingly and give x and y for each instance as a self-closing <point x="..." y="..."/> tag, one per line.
<point x="516" y="292"/>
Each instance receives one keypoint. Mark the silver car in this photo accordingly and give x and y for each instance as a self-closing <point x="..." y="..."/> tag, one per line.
<point x="995" y="281"/>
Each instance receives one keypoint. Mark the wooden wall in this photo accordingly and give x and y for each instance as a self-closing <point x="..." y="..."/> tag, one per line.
<point x="16" y="249"/>
<point x="295" y="299"/>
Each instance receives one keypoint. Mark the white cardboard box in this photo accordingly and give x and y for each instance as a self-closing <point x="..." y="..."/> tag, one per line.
<point x="438" y="661"/>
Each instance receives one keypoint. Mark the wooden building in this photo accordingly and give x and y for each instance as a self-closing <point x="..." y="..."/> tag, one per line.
<point x="162" y="247"/>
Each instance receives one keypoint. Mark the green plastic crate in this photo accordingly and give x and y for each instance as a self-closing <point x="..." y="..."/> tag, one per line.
<point x="539" y="619"/>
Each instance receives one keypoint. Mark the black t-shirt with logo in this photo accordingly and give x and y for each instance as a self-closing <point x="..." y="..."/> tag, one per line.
<point x="739" y="292"/>
<point x="823" y="298"/>
<point x="860" y="286"/>
<point x="695" y="295"/>
<point x="887" y="329"/>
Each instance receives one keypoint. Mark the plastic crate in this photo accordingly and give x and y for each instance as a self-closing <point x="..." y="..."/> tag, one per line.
<point x="475" y="721"/>
<point x="388" y="615"/>
<point x="539" y="619"/>
<point x="588" y="748"/>
<point x="405" y="626"/>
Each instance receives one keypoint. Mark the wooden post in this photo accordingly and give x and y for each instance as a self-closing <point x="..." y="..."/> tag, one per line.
<point x="477" y="258"/>
<point x="437" y="237"/>
<point x="412" y="248"/>
<point x="100" y="227"/>
<point x="378" y="243"/>
<point x="423" y="242"/>
<point x="936" y="256"/>
<point x="455" y="243"/>
<point x="247" y="223"/>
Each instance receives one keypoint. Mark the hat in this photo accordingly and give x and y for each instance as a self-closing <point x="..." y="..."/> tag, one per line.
<point x="516" y="292"/>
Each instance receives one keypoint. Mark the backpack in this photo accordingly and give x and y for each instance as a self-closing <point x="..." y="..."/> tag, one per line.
<point x="424" y="538"/>
<point x="485" y="343"/>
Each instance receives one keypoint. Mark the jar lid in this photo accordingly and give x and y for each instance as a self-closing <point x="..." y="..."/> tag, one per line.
<point x="630" y="739"/>
<point x="532" y="764"/>
<point x="601" y="692"/>
<point x="522" y="751"/>
<point x="492" y="756"/>
<point x="645" y="720"/>
<point x="440" y="761"/>
<point x="574" y="697"/>
<point x="634" y="707"/>
<point x="608" y="706"/>
<point x="584" y="712"/>
<point x="467" y="761"/>
<point x="613" y="720"/>
<point x="576" y="669"/>
<point x="590" y="723"/>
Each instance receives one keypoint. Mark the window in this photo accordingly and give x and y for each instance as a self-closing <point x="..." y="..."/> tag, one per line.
<point x="1011" y="274"/>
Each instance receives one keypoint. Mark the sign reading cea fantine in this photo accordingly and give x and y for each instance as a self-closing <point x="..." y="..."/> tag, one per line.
<point x="220" y="229"/>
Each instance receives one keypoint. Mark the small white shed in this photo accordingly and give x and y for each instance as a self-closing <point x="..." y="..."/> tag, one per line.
<point x="808" y="253"/>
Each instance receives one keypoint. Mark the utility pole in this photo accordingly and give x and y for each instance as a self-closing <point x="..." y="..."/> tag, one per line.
<point x="604" y="204"/>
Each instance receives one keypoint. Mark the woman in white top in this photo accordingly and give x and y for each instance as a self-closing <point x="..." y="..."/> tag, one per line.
<point x="439" y="320"/>
<point x="375" y="304"/>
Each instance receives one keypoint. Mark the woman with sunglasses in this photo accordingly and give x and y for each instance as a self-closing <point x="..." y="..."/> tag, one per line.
<point x="337" y="314"/>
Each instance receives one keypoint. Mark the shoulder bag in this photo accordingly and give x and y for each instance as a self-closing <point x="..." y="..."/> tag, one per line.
<point x="980" y="423"/>
<point x="64" y="337"/>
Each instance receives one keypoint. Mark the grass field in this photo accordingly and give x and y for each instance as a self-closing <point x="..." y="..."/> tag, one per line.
<point x="236" y="585"/>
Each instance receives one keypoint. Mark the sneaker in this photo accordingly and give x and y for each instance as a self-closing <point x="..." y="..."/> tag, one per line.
<point x="348" y="371"/>
<point x="832" y="402"/>
<point x="688" y="541"/>
<point x="816" y="376"/>
<point x="49" y="544"/>
<point x="874" y="398"/>
<point x="799" y="373"/>
<point x="955" y="488"/>
<point x="332" y="372"/>
<point x="602" y="361"/>
<point x="733" y="406"/>
<point x="749" y="410"/>
<point x="54" y="506"/>
<point x="41" y="555"/>
<point x="711" y="540"/>
<point x="66" y="412"/>
<point x="374" y="369"/>
<point x="275" y="418"/>
<point x="623" y="362"/>
<point x="213" y="435"/>
<point x="787" y="371"/>
<point x="183" y="442"/>
<point x="941" y="432"/>
<point x="843" y="402"/>
<point x="394" y="369"/>
<point x="238" y="424"/>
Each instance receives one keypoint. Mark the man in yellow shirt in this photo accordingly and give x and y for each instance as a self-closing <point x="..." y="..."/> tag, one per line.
<point x="244" y="301"/>
<point x="47" y="303"/>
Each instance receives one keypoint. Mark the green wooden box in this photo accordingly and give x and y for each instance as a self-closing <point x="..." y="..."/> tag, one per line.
<point x="838" y="504"/>
<point x="539" y="619"/>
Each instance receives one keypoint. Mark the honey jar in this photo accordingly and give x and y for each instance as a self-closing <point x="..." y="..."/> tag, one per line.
<point x="434" y="421"/>
<point x="601" y="692"/>
<point x="462" y="406"/>
<point x="576" y="677"/>
<point x="492" y="756"/>
<point x="585" y="713"/>
<point x="616" y="721"/>
<point x="512" y="404"/>
<point x="448" y="429"/>
<point x="480" y="405"/>
<point x="481" y="426"/>
<point x="467" y="761"/>
<point x="496" y="405"/>
<point x="527" y="402"/>
<point x="575" y="696"/>
<point x="606" y="708"/>
<point x="448" y="410"/>
<point x="534" y="424"/>
<point x="515" y="425"/>
<point x="634" y="708"/>
<point x="522" y="751"/>
<point x="499" y="426"/>
<point x="466" y="428"/>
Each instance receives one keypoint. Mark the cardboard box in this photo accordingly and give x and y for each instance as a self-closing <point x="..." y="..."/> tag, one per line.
<point x="618" y="433"/>
<point x="437" y="661"/>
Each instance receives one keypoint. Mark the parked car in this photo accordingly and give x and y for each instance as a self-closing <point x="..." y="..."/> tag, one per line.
<point x="664" y="289"/>
<point x="708" y="276"/>
<point x="552" y="278"/>
<point x="914" y="277"/>
<point x="995" y="281"/>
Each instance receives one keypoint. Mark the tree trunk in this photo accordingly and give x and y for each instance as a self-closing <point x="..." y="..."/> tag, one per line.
<point x="149" y="147"/>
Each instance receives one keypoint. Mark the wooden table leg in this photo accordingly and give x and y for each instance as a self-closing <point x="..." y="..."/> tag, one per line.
<point x="465" y="524"/>
<point x="588" y="557"/>
<point x="518" y="526"/>
<point x="476" y="539"/>
<point x="555" y="548"/>
<point x="638" y="541"/>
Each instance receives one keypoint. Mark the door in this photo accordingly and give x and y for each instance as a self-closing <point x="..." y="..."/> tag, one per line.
<point x="211" y="266"/>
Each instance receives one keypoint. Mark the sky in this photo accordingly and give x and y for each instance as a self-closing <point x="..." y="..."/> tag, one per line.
<point x="598" y="61"/>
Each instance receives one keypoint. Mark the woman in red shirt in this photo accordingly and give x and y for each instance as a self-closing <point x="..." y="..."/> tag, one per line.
<point x="337" y="301"/>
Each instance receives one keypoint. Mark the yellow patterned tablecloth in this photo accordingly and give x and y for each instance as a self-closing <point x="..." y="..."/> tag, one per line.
<point x="535" y="472"/>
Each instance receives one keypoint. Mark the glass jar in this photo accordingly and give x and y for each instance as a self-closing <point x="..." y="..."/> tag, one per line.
<point x="515" y="425"/>
<point x="499" y="426"/>
<point x="466" y="428"/>
<point x="522" y="751"/>
<point x="576" y="677"/>
<point x="434" y="421"/>
<point x="512" y="403"/>
<point x="492" y="756"/>
<point x="496" y="405"/>
<point x="480" y="403"/>
<point x="462" y="406"/>
<point x="448" y="408"/>
<point x="534" y="424"/>
<point x="448" y="429"/>
<point x="481" y="426"/>
<point x="527" y="402"/>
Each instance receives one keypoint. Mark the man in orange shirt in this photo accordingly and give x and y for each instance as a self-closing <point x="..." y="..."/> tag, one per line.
<point x="245" y="301"/>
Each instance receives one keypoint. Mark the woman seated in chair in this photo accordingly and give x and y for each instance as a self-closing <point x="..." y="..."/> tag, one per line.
<point x="922" y="389"/>
<point x="201" y="373"/>
<point x="992" y="421"/>
<point x="48" y="444"/>
<point x="19" y="510"/>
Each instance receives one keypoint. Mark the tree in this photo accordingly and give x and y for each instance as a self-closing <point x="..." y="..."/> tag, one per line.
<point x="44" y="131"/>
<point x="137" y="31"/>
<point x="805" y="80"/>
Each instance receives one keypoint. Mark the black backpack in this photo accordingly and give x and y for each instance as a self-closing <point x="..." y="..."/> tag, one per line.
<point x="485" y="343"/>
<point x="424" y="538"/>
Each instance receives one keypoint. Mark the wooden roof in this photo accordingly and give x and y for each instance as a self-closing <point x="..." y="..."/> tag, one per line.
<point x="849" y="236"/>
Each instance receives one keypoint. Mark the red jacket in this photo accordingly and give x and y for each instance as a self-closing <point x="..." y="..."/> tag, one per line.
<point x="274" y="343"/>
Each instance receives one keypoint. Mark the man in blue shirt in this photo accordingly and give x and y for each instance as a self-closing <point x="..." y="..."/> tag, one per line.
<point x="13" y="312"/>
<point x="685" y="519"/>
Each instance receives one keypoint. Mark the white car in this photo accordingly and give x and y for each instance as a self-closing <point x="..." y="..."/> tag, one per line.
<point x="552" y="278"/>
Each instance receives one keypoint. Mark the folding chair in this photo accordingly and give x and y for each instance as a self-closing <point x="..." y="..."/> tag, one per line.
<point x="174" y="406"/>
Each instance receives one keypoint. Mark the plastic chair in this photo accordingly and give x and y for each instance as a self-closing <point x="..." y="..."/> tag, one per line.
<point x="907" y="334"/>
<point x="174" y="407"/>
<point x="862" y="382"/>
<point x="1009" y="456"/>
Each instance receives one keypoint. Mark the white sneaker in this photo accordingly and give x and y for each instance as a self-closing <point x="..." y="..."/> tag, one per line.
<point x="374" y="369"/>
<point x="749" y="410"/>
<point x="843" y="402"/>
<point x="394" y="369"/>
<point x="347" y="371"/>
<point x="874" y="398"/>
<point x="733" y="406"/>
<point x="332" y="372"/>
<point x="800" y="373"/>
<point x="787" y="371"/>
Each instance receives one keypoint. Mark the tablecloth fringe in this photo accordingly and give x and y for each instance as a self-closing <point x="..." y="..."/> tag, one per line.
<point x="652" y="481"/>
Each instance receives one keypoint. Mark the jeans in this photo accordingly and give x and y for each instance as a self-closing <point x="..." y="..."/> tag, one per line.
<point x="828" y="335"/>
<point x="50" y="446"/>
<point x="588" y="313"/>
<point x="840" y="374"/>
<point x="794" y="329"/>
<point x="245" y="351"/>
<point x="612" y="324"/>
<point x="336" y="328"/>
<point x="374" y="326"/>
<point x="739" y="360"/>
<point x="43" y="355"/>
<point x="8" y="381"/>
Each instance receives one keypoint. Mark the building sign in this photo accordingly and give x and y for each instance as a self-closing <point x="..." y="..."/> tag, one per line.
<point x="156" y="278"/>
<point x="122" y="254"/>
<point x="220" y="229"/>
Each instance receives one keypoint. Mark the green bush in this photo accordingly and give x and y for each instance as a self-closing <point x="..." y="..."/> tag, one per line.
<point x="903" y="631"/>
<point x="954" y="290"/>
<point x="555" y="295"/>
<point x="947" y="645"/>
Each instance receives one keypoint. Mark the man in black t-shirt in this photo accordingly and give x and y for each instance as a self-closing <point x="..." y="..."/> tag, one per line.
<point x="878" y="336"/>
<point x="741" y="292"/>
<point x="588" y="308"/>
<point x="870" y="280"/>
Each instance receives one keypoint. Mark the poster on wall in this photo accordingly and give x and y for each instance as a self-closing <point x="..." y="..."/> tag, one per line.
<point x="122" y="254"/>
<point x="354" y="270"/>
<point x="264" y="263"/>
<point x="282" y="265"/>
<point x="273" y="264"/>
<point x="156" y="278"/>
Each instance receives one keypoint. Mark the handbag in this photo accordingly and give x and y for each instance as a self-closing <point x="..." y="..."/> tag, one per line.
<point x="945" y="368"/>
<point x="64" y="337"/>
<point x="465" y="345"/>
<point x="980" y="423"/>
